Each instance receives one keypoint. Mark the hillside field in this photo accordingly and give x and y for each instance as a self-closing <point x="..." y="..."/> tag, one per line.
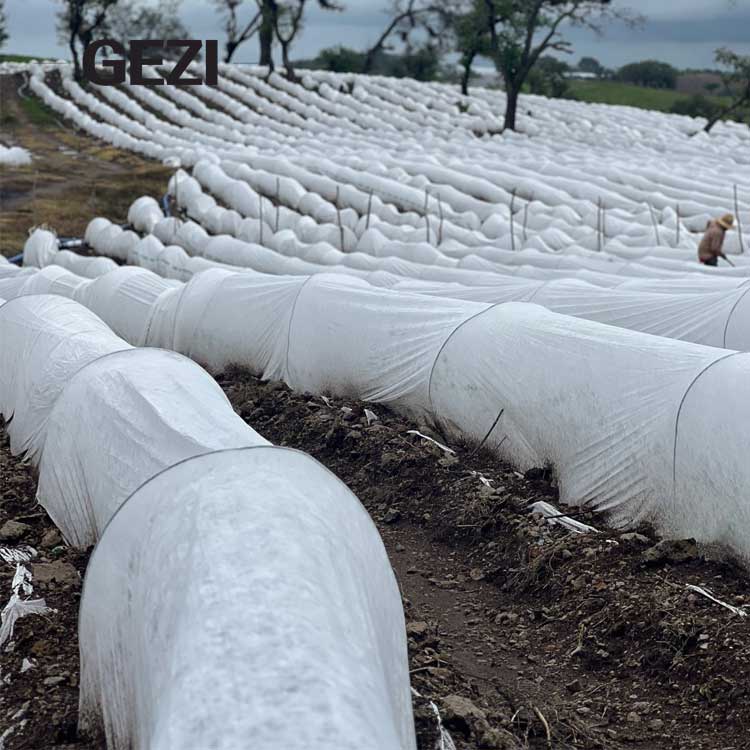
<point x="336" y="418"/>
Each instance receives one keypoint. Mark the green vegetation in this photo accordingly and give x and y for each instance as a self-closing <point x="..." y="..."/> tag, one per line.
<point x="615" y="92"/>
<point x="651" y="73"/>
<point x="662" y="100"/>
<point x="38" y="113"/>
<point x="22" y="58"/>
<point x="421" y="63"/>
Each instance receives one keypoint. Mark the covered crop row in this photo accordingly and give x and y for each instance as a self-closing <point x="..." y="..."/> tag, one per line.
<point x="282" y="252"/>
<point x="239" y="595"/>
<point x="558" y="180"/>
<point x="644" y="427"/>
<point x="715" y="315"/>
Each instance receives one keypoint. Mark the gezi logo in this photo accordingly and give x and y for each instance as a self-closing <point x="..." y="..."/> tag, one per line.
<point x="147" y="52"/>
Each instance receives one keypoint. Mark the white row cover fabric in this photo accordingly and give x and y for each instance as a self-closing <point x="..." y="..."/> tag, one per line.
<point x="566" y="157"/>
<point x="44" y="341"/>
<point x="720" y="317"/>
<point x="245" y="600"/>
<point x="613" y="410"/>
<point x="121" y="420"/>
<point x="229" y="562"/>
<point x="15" y="156"/>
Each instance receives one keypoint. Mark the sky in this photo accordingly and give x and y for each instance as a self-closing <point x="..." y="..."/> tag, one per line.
<point x="684" y="33"/>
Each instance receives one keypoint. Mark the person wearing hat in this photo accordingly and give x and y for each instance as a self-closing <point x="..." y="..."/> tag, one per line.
<point x="710" y="249"/>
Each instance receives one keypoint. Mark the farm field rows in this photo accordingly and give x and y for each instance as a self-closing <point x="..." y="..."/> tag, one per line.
<point x="460" y="323"/>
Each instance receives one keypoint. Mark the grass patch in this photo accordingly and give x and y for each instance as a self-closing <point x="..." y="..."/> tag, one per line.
<point x="22" y="58"/>
<point x="66" y="193"/>
<point x="38" y="113"/>
<point x="627" y="94"/>
<point x="613" y="92"/>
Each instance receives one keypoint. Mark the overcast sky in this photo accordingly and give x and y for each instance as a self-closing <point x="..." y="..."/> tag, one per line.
<point x="682" y="32"/>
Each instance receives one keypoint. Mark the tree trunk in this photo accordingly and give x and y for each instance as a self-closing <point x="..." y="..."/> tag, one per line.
<point x="265" y="35"/>
<point x="369" y="60"/>
<point x="290" y="74"/>
<point x="77" y="72"/>
<point x="377" y="48"/>
<point x="466" y="75"/>
<point x="724" y="112"/>
<point x="511" y="92"/>
<point x="230" y="49"/>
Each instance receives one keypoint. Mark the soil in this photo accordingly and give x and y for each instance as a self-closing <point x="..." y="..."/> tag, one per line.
<point x="39" y="666"/>
<point x="72" y="178"/>
<point x="521" y="634"/>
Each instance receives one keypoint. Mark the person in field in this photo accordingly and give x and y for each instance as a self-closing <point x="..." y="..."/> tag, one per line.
<point x="710" y="249"/>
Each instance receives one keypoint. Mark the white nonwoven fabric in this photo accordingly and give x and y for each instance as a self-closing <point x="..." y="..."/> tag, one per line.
<point x="225" y="561"/>
<point x="45" y="340"/>
<point x="714" y="318"/>
<point x="15" y="156"/>
<point x="333" y="333"/>
<point x="123" y="419"/>
<point x="244" y="599"/>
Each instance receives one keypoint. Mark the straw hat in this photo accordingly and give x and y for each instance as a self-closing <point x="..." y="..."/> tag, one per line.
<point x="726" y="221"/>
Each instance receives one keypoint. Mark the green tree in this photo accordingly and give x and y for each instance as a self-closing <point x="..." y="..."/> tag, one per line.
<point x="470" y="29"/>
<point x="652" y="73"/>
<point x="421" y="63"/>
<point x="548" y="77"/>
<point x="590" y="65"/>
<point x="238" y="32"/>
<point x="521" y="31"/>
<point x="258" y="20"/>
<point x="695" y="106"/>
<point x="340" y="60"/>
<point x="736" y="77"/>
<point x="406" y="17"/>
<point x="134" y="19"/>
<point x="288" y="19"/>
<point x="78" y="23"/>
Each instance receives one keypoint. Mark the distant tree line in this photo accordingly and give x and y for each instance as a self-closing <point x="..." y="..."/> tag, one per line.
<point x="523" y="39"/>
<point x="651" y="73"/>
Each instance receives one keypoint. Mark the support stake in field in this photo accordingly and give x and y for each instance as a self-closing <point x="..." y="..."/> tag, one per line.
<point x="278" y="202"/>
<point x="489" y="432"/>
<point x="260" y="214"/>
<point x="442" y="219"/>
<point x="739" y="220"/>
<point x="655" y="224"/>
<point x="525" y="220"/>
<point x="338" y="218"/>
<point x="512" y="222"/>
<point x="427" y="213"/>
<point x="369" y="210"/>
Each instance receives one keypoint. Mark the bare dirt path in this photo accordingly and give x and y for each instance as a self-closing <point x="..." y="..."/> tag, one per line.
<point x="522" y="634"/>
<point x="73" y="177"/>
<point x="39" y="665"/>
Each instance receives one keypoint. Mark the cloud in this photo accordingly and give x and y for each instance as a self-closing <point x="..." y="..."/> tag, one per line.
<point x="684" y="33"/>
